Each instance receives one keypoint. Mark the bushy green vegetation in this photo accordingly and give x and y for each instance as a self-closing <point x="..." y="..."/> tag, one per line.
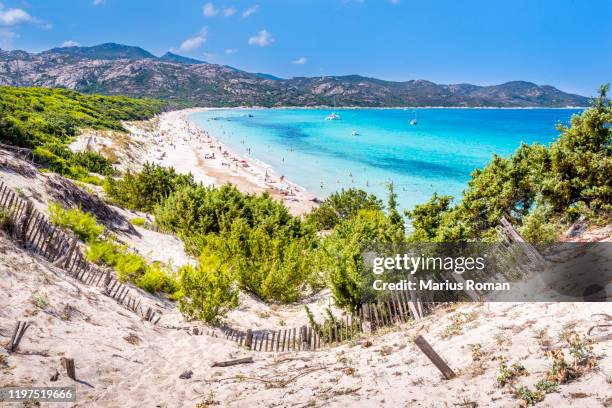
<point x="142" y="190"/>
<point x="47" y="120"/>
<point x="341" y="257"/>
<point x="208" y="289"/>
<point x="341" y="206"/>
<point x="35" y="116"/>
<point x="269" y="252"/>
<point x="129" y="265"/>
<point x="6" y="223"/>
<point x="158" y="278"/>
<point x="274" y="264"/>
<point x="138" y="221"/>
<point x="535" y="188"/>
<point x="83" y="224"/>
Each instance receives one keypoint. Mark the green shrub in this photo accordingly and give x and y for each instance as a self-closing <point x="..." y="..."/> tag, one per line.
<point x="93" y="162"/>
<point x="340" y="256"/>
<point x="102" y="252"/>
<point x="156" y="279"/>
<point x="274" y="264"/>
<point x="207" y="289"/>
<point x="528" y="396"/>
<point x="139" y="222"/>
<point x="508" y="375"/>
<point x="147" y="188"/>
<point x="83" y="224"/>
<point x="202" y="210"/>
<point x="539" y="226"/>
<point x="6" y="223"/>
<point x="90" y="179"/>
<point x="269" y="252"/>
<point x="341" y="206"/>
<point x="47" y="120"/>
<point x="129" y="266"/>
<point x="62" y="161"/>
<point x="547" y="386"/>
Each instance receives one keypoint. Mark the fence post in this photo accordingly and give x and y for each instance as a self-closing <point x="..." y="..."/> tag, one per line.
<point x="70" y="370"/>
<point x="73" y="245"/>
<point x="440" y="364"/>
<point x="18" y="333"/>
<point x="304" y="337"/>
<point x="24" y="223"/>
<point x="249" y="339"/>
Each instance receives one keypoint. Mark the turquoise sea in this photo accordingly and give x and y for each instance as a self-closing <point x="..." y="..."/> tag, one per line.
<point x="435" y="155"/>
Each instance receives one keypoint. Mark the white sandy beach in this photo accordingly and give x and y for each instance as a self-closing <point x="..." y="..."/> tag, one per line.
<point x="176" y="142"/>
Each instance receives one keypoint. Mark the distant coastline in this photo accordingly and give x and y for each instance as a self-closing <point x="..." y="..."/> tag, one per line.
<point x="325" y="107"/>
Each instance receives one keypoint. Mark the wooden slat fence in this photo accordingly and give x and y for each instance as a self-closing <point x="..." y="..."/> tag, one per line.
<point x="33" y="231"/>
<point x="302" y="338"/>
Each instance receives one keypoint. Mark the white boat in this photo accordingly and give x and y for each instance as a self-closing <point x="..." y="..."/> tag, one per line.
<point x="414" y="120"/>
<point x="333" y="115"/>
<point x="354" y="133"/>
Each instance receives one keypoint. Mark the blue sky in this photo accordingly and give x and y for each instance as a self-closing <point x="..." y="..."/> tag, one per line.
<point x="564" y="43"/>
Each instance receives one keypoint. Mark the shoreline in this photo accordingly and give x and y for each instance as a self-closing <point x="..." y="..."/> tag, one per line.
<point x="326" y="107"/>
<point x="179" y="143"/>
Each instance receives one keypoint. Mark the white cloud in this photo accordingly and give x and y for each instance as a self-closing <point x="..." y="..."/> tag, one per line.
<point x="70" y="43"/>
<point x="262" y="38"/>
<point x="231" y="51"/>
<point x="194" y="42"/>
<point x="209" y="10"/>
<point x="300" y="61"/>
<point x="246" y="13"/>
<point x="98" y="2"/>
<point x="14" y="16"/>
<point x="229" y="11"/>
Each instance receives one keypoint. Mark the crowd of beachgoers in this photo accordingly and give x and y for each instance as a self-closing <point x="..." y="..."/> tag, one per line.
<point x="177" y="142"/>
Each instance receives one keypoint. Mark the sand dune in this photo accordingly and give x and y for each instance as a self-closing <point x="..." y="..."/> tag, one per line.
<point x="123" y="361"/>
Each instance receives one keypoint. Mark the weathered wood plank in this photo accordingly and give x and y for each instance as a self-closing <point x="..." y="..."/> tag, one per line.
<point x="70" y="369"/>
<point x="228" y="363"/>
<point x="440" y="364"/>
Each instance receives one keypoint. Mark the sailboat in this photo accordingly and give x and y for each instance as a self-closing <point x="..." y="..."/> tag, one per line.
<point x="333" y="115"/>
<point x="414" y="120"/>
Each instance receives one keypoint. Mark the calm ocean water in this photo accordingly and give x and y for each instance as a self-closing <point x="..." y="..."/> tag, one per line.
<point x="436" y="155"/>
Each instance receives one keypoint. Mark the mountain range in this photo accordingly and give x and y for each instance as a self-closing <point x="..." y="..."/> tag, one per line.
<point x="120" y="69"/>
